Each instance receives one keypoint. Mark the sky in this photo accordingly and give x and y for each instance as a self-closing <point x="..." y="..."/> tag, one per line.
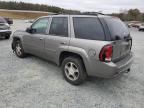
<point x="105" y="6"/>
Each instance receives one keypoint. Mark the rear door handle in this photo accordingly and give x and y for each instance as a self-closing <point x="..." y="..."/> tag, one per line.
<point x="63" y="43"/>
<point x="125" y="43"/>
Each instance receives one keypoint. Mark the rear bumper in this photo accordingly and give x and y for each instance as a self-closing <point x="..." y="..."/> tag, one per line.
<point x="124" y="65"/>
<point x="109" y="70"/>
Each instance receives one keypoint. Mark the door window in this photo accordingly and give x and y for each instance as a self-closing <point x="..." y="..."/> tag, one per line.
<point x="59" y="26"/>
<point x="40" y="26"/>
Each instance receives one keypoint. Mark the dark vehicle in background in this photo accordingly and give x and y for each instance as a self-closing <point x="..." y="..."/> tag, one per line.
<point x="4" y="28"/>
<point x="9" y="20"/>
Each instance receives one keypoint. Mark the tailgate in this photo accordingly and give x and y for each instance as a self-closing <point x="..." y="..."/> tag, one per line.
<point x="120" y="36"/>
<point x="121" y="48"/>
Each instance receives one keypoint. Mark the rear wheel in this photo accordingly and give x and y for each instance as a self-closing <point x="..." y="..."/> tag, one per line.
<point x="73" y="70"/>
<point x="19" y="49"/>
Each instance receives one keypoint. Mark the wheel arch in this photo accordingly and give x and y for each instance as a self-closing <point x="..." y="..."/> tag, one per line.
<point x="66" y="54"/>
<point x="14" y="41"/>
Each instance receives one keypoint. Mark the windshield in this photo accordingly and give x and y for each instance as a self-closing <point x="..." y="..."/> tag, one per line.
<point x="118" y="29"/>
<point x="2" y="20"/>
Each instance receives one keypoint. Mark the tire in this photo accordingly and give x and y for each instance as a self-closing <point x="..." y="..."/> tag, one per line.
<point x="7" y="36"/>
<point x="73" y="70"/>
<point x="19" y="49"/>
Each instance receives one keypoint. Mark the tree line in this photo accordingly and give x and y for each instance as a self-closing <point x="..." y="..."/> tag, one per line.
<point x="130" y="15"/>
<point x="13" y="5"/>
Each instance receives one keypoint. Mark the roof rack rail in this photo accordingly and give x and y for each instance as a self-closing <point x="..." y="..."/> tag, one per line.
<point x="84" y="13"/>
<point x="55" y="14"/>
<point x="93" y="13"/>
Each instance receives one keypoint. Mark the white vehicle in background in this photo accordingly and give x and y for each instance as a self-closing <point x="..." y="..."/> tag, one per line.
<point x="141" y="28"/>
<point x="29" y="21"/>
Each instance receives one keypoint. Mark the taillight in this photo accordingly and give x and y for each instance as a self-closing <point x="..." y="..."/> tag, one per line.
<point x="106" y="53"/>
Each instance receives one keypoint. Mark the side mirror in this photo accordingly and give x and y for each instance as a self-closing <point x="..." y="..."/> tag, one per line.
<point x="30" y="30"/>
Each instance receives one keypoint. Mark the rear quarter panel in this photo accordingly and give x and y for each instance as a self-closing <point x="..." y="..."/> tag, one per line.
<point x="89" y="50"/>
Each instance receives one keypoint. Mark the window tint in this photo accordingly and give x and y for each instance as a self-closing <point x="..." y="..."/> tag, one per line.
<point x="117" y="28"/>
<point x="88" y="28"/>
<point x="59" y="26"/>
<point x="41" y="25"/>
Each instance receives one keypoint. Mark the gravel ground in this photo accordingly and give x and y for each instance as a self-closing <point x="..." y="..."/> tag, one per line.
<point x="35" y="83"/>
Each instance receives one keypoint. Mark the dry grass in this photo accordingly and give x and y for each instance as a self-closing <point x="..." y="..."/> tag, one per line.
<point x="22" y="15"/>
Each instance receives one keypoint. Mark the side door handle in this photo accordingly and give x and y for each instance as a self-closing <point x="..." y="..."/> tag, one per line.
<point x="41" y="38"/>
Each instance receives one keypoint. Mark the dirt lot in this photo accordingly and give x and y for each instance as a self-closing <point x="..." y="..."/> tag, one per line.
<point x="35" y="83"/>
<point x="21" y="14"/>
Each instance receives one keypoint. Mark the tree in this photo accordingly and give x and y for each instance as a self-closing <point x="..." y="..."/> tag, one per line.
<point x="130" y="15"/>
<point x="134" y="14"/>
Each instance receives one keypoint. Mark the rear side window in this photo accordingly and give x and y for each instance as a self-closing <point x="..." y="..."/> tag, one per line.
<point x="118" y="29"/>
<point x="59" y="26"/>
<point x="88" y="28"/>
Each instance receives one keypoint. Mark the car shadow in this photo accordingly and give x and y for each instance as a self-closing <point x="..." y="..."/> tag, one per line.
<point x="50" y="66"/>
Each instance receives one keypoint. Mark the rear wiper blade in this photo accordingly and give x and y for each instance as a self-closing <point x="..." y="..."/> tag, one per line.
<point x="117" y="37"/>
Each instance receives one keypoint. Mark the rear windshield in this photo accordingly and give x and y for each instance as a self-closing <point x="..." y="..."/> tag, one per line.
<point x="2" y="20"/>
<point x="88" y="28"/>
<point x="118" y="29"/>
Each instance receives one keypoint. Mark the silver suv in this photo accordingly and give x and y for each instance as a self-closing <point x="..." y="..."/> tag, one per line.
<point x="82" y="45"/>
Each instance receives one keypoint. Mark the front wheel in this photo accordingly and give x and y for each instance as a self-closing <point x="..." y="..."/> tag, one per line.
<point x="74" y="70"/>
<point x="19" y="49"/>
